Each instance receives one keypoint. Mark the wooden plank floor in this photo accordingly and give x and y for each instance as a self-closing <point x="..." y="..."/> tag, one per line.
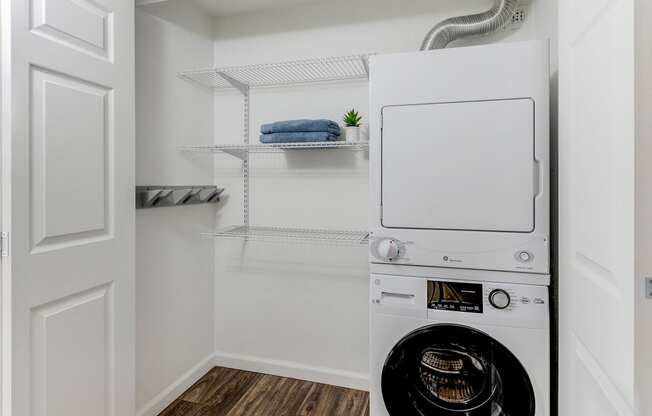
<point x="228" y="392"/>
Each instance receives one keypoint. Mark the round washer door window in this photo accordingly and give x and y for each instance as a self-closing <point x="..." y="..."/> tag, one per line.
<point x="451" y="370"/>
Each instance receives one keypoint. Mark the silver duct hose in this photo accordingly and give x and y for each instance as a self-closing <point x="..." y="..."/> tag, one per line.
<point x="475" y="24"/>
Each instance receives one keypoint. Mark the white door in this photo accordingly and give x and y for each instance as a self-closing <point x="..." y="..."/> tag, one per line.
<point x="68" y="141"/>
<point x="597" y="208"/>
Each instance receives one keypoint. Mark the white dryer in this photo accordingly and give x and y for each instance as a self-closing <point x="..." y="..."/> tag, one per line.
<point x="459" y="155"/>
<point x="451" y="348"/>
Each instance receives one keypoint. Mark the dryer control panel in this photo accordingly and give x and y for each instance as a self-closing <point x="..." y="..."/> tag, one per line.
<point x="454" y="250"/>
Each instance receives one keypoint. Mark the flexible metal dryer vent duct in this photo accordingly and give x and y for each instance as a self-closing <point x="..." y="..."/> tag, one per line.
<point x="475" y="24"/>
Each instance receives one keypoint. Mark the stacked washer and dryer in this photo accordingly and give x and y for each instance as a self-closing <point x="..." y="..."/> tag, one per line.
<point x="460" y="232"/>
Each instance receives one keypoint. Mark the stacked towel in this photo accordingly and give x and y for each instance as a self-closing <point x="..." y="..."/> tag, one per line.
<point x="300" y="131"/>
<point x="298" y="137"/>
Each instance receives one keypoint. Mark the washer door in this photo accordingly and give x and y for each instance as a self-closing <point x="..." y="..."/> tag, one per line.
<point x="446" y="370"/>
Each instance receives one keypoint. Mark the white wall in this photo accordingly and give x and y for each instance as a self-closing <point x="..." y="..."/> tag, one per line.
<point x="302" y="310"/>
<point x="175" y="265"/>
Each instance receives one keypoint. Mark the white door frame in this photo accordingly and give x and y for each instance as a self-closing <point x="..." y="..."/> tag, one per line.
<point x="644" y="202"/>
<point x="5" y="171"/>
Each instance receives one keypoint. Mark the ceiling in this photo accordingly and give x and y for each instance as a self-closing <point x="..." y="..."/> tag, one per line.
<point x="229" y="7"/>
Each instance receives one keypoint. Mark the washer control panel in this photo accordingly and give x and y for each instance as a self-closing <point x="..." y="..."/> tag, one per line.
<point x="462" y="301"/>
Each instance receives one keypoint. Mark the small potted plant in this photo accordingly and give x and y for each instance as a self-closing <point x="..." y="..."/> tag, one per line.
<point x="352" y="126"/>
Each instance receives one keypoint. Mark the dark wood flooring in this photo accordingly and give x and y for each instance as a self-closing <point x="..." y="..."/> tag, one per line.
<point x="228" y="392"/>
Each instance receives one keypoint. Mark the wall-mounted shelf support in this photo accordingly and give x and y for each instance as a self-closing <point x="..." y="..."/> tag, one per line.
<point x="170" y="196"/>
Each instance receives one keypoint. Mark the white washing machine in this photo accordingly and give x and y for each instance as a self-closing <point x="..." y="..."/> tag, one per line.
<point x="443" y="347"/>
<point x="459" y="158"/>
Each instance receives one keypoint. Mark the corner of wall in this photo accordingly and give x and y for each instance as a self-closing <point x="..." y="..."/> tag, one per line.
<point x="175" y="265"/>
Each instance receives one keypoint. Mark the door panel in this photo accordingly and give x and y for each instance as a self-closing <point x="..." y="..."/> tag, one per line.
<point x="70" y="147"/>
<point x="79" y="24"/>
<point x="72" y="342"/>
<point x="469" y="166"/>
<point x="69" y="208"/>
<point x="597" y="207"/>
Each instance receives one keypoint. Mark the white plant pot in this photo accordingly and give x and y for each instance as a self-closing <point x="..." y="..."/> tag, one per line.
<point x="352" y="134"/>
<point x="364" y="133"/>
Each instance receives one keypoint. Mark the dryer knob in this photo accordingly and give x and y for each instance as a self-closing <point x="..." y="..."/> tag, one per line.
<point x="387" y="249"/>
<point x="499" y="299"/>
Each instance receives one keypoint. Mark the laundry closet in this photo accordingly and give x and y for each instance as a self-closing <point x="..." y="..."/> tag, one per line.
<point x="295" y="308"/>
<point x="244" y="257"/>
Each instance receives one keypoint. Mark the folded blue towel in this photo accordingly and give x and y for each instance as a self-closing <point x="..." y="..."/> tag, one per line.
<point x="292" y="126"/>
<point x="298" y="137"/>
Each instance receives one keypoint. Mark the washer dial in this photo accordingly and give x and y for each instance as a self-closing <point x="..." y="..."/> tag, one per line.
<point x="499" y="299"/>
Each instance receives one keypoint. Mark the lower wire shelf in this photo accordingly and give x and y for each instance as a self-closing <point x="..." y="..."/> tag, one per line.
<point x="293" y="235"/>
<point x="242" y="150"/>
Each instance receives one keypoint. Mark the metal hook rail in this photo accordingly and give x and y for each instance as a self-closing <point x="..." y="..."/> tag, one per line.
<point x="171" y="196"/>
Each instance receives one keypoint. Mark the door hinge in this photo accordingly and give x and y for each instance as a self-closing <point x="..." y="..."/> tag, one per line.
<point x="4" y="244"/>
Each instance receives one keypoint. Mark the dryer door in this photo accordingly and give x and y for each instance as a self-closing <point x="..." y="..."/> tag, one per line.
<point x="459" y="166"/>
<point x="451" y="370"/>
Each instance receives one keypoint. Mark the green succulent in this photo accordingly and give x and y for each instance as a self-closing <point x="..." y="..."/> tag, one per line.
<point x="352" y="119"/>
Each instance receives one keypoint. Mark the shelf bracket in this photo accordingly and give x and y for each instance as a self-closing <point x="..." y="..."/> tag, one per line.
<point x="365" y="63"/>
<point x="238" y="85"/>
<point x="239" y="153"/>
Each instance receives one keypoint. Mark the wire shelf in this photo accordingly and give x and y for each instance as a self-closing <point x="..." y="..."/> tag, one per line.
<point x="241" y="150"/>
<point x="341" y="68"/>
<point x="293" y="235"/>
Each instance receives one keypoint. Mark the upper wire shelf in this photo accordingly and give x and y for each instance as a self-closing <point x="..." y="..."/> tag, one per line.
<point x="340" y="68"/>
<point x="241" y="150"/>
<point x="293" y="235"/>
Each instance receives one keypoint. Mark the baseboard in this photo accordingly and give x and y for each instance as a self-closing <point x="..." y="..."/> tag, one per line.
<point x="348" y="379"/>
<point x="174" y="390"/>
